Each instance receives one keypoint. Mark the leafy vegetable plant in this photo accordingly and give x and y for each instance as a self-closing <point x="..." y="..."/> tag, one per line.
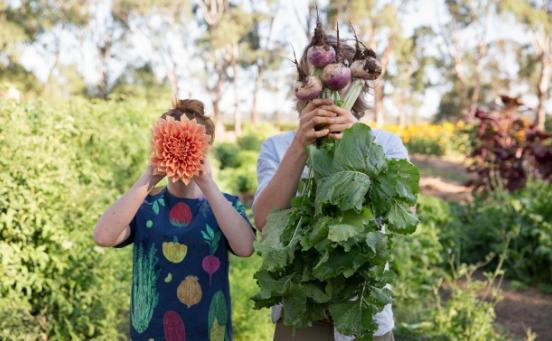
<point x="327" y="254"/>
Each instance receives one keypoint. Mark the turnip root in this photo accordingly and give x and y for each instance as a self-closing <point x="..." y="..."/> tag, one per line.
<point x="320" y="53"/>
<point x="337" y="75"/>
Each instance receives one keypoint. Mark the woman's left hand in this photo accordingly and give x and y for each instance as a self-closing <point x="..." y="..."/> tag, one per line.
<point x="205" y="176"/>
<point x="344" y="120"/>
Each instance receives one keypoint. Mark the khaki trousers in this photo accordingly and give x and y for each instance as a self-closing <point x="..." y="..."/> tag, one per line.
<point x="319" y="331"/>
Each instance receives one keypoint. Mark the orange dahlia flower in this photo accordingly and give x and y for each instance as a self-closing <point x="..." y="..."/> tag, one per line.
<point x="178" y="148"/>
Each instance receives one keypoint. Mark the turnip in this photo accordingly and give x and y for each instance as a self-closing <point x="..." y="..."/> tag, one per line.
<point x="365" y="65"/>
<point x="307" y="87"/>
<point x="320" y="53"/>
<point x="337" y="75"/>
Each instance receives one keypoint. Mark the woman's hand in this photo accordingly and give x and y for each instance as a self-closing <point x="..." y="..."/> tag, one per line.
<point x="314" y="121"/>
<point x="344" y="119"/>
<point x="204" y="178"/>
<point x="151" y="178"/>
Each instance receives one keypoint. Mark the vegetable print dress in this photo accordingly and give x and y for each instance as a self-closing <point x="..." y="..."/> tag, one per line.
<point x="180" y="288"/>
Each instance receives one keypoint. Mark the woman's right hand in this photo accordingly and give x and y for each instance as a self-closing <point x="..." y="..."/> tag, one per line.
<point x="151" y="178"/>
<point x="314" y="122"/>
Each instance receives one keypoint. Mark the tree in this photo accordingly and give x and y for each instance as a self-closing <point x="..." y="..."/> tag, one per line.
<point x="218" y="49"/>
<point x="378" y="25"/>
<point x="260" y="50"/>
<point x="536" y="16"/>
<point x="159" y="22"/>
<point x="24" y="23"/>
<point x="466" y="45"/>
<point x="409" y="78"/>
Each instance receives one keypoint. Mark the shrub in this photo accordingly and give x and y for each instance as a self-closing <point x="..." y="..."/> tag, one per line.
<point x="507" y="149"/>
<point x="227" y="155"/>
<point x="66" y="163"/>
<point x="525" y="216"/>
<point x="249" y="142"/>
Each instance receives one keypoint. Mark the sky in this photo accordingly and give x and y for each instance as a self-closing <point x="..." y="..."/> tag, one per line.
<point x="80" y="51"/>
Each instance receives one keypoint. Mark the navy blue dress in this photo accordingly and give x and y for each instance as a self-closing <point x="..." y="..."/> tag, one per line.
<point x="180" y="288"/>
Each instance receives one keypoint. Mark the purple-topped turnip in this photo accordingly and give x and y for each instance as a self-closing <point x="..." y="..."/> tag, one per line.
<point x="337" y="76"/>
<point x="320" y="53"/>
<point x="307" y="87"/>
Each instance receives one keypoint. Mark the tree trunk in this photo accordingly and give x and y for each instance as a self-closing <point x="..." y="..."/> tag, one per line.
<point x="237" y="113"/>
<point x="104" y="51"/>
<point x="258" y="83"/>
<point x="378" y="103"/>
<point x="542" y="89"/>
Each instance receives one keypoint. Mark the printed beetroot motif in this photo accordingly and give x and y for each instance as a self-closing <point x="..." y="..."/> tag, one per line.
<point x="173" y="327"/>
<point x="180" y="215"/>
<point x="211" y="263"/>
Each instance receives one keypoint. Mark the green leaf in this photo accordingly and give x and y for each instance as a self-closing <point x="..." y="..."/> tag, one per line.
<point x="155" y="207"/>
<point x="377" y="242"/>
<point x="357" y="151"/>
<point x="294" y="305"/>
<point x="161" y="201"/>
<point x="320" y="161"/>
<point x="352" y="318"/>
<point x="275" y="254"/>
<point x="345" y="189"/>
<point x="338" y="263"/>
<point x="405" y="178"/>
<point x="400" y="219"/>
<point x="342" y="232"/>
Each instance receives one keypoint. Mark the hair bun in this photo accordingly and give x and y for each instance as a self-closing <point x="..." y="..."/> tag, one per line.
<point x="190" y="106"/>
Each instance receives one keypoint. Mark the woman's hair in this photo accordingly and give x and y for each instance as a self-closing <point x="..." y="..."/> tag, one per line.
<point x="193" y="109"/>
<point x="348" y="52"/>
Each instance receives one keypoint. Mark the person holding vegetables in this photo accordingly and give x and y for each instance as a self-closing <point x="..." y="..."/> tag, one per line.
<point x="181" y="234"/>
<point x="282" y="159"/>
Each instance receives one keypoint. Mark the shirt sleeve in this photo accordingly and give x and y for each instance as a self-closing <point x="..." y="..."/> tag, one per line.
<point x="395" y="149"/>
<point x="130" y="238"/>
<point x="267" y="164"/>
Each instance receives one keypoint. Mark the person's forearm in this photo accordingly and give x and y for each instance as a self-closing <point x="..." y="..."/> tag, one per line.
<point x="112" y="224"/>
<point x="283" y="185"/>
<point x="236" y="229"/>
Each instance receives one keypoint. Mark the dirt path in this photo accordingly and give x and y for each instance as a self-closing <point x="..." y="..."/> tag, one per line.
<point x="520" y="310"/>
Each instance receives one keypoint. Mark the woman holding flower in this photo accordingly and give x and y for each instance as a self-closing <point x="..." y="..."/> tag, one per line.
<point x="181" y="235"/>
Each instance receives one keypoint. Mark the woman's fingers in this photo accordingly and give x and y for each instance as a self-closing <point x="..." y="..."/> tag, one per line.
<point x="336" y="136"/>
<point x="339" y="127"/>
<point x="316" y="103"/>
<point x="316" y="134"/>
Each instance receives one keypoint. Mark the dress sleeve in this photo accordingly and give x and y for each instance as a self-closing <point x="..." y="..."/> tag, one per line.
<point x="130" y="238"/>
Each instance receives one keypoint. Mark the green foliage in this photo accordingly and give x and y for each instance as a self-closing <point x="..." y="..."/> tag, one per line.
<point x="249" y="324"/>
<point x="432" y="303"/>
<point x="227" y="155"/>
<point x="66" y="164"/>
<point x="525" y="216"/>
<point x="250" y="142"/>
<point x="328" y="247"/>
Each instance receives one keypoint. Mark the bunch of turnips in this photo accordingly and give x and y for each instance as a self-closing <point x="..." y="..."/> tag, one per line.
<point x="328" y="69"/>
